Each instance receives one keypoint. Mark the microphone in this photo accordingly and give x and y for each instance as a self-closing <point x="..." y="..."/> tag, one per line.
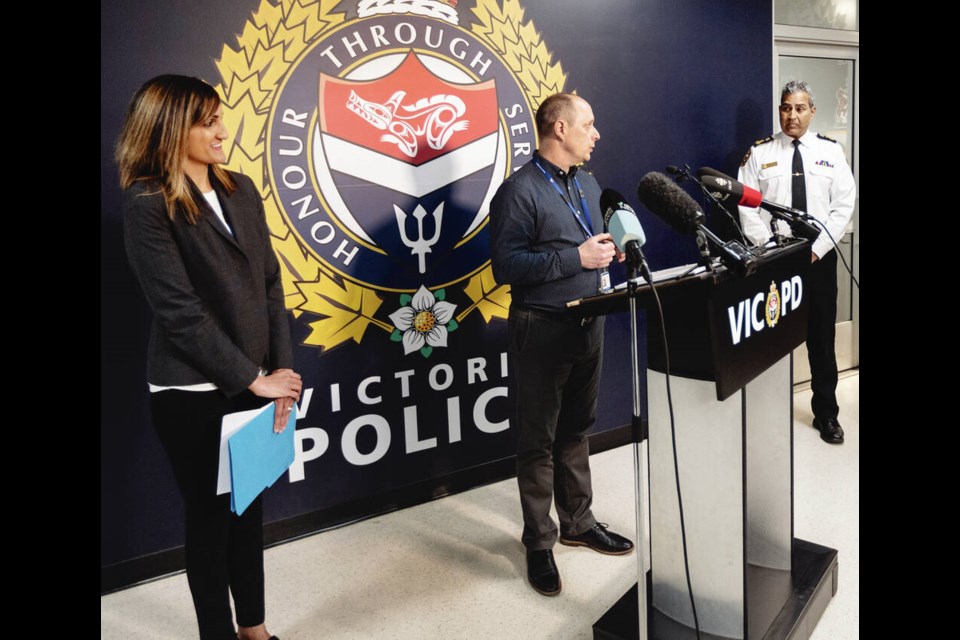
<point x="679" y="173"/>
<point x="730" y="192"/>
<point x="723" y="187"/>
<point x="675" y="207"/>
<point x="708" y="171"/>
<point x="670" y="203"/>
<point x="620" y="220"/>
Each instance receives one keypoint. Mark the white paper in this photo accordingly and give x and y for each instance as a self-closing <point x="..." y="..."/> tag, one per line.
<point x="230" y="424"/>
<point x="664" y="274"/>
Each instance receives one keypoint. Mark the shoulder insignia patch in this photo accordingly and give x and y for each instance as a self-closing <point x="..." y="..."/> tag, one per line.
<point x="743" y="162"/>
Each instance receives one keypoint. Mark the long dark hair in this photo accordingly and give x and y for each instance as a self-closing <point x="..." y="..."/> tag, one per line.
<point x="153" y="143"/>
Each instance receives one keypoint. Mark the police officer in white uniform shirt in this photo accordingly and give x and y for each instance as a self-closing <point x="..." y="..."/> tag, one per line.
<point x="808" y="171"/>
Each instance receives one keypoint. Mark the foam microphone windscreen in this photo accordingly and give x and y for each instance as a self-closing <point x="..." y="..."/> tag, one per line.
<point x="670" y="203"/>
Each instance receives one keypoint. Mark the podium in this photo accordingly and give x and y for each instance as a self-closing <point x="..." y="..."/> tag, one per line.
<point x="730" y="342"/>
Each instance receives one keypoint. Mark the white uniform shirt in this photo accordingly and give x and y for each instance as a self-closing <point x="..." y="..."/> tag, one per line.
<point x="831" y="190"/>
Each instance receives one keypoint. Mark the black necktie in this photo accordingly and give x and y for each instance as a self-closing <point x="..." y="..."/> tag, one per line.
<point x="798" y="185"/>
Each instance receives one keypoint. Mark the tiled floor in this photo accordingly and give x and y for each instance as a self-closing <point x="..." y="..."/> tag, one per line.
<point x="454" y="568"/>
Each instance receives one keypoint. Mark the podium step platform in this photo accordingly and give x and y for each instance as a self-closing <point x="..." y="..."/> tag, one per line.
<point x="814" y="585"/>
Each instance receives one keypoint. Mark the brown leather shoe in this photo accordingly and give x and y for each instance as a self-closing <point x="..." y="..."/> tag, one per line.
<point x="601" y="540"/>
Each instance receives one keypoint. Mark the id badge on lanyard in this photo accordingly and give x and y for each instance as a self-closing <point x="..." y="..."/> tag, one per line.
<point x="605" y="286"/>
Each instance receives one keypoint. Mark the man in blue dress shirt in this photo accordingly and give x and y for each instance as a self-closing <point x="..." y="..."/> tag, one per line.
<point x="547" y="243"/>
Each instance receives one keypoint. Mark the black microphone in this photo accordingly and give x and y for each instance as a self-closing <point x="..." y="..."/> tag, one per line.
<point x="721" y="196"/>
<point x="679" y="173"/>
<point x="620" y="220"/>
<point x="723" y="187"/>
<point x="670" y="203"/>
<point x="726" y="188"/>
<point x="675" y="207"/>
<point x="707" y="171"/>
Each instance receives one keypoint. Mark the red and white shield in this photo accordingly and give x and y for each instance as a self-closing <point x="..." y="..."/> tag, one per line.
<point x="410" y="130"/>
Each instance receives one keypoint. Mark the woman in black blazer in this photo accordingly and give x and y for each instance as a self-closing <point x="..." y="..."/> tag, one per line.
<point x="197" y="239"/>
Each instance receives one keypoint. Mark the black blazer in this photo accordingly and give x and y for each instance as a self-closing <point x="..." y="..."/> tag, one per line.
<point x="217" y="298"/>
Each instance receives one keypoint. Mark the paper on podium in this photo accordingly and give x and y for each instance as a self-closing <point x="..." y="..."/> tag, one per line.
<point x="257" y="455"/>
<point x="665" y="274"/>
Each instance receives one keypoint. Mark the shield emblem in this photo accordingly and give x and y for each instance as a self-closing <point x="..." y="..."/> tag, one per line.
<point x="407" y="160"/>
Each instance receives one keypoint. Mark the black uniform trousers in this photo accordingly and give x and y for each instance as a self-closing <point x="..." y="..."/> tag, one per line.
<point x="821" y="336"/>
<point x="224" y="552"/>
<point x="556" y="367"/>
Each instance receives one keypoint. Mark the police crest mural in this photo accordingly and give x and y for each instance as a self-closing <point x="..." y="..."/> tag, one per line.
<point x="379" y="131"/>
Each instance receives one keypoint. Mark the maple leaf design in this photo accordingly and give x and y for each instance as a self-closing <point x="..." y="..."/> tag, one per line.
<point x="348" y="311"/>
<point x="492" y="300"/>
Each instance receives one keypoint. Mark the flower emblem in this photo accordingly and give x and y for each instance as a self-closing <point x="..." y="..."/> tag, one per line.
<point x="423" y="321"/>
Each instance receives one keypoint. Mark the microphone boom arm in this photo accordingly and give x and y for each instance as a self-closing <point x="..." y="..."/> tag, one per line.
<point x="733" y="255"/>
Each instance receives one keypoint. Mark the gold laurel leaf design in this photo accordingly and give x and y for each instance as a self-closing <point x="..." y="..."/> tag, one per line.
<point x="492" y="300"/>
<point x="272" y="39"/>
<point x="502" y="27"/>
<point x="293" y="262"/>
<point x="348" y="310"/>
<point x="520" y="45"/>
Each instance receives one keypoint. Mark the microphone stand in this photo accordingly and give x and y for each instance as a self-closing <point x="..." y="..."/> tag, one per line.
<point x="778" y="237"/>
<point x="704" y="261"/>
<point x="635" y="265"/>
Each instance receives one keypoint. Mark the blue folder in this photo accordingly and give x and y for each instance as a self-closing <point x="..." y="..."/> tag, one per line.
<point x="258" y="456"/>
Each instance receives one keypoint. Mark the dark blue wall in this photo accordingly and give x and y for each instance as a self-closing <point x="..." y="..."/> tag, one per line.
<point x="670" y="83"/>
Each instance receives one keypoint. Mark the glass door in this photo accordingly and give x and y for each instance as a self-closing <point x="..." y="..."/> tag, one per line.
<point x="833" y="73"/>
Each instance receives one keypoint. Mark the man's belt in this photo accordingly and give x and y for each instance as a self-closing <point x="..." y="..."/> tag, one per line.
<point x="561" y="317"/>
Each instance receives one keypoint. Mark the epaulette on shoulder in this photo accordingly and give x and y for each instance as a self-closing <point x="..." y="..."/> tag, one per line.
<point x="746" y="157"/>
<point x="823" y="137"/>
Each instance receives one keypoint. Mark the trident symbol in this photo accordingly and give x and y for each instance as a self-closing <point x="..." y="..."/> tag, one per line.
<point x="421" y="246"/>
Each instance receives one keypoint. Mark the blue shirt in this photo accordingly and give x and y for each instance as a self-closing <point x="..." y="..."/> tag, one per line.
<point x="535" y="236"/>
